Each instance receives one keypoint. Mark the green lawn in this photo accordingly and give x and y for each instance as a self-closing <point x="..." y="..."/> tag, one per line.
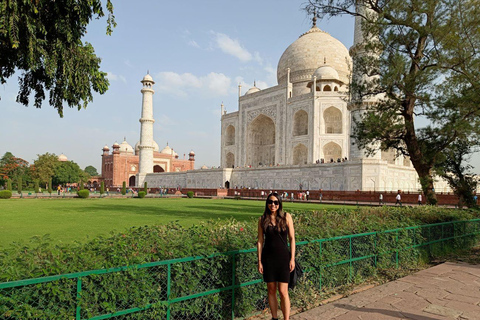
<point x="67" y="220"/>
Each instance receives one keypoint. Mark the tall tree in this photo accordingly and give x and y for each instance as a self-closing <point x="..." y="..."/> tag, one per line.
<point x="420" y="59"/>
<point x="45" y="167"/>
<point x="67" y="172"/>
<point x="91" y="170"/>
<point x="43" y="39"/>
<point x="13" y="168"/>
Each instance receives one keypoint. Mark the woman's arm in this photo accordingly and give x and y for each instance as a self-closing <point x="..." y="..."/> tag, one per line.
<point x="260" y="245"/>
<point x="291" y="236"/>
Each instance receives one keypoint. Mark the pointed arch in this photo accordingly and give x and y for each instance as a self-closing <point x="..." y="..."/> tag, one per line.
<point x="300" y="123"/>
<point x="132" y="181"/>
<point x="333" y="120"/>
<point x="332" y="151"/>
<point x="327" y="88"/>
<point x="261" y="141"/>
<point x="230" y="136"/>
<point x="300" y="154"/>
<point x="157" y="169"/>
<point x="230" y="160"/>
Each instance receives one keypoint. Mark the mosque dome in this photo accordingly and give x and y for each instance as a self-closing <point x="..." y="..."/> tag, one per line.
<point x="62" y="158"/>
<point x="167" y="150"/>
<point x="204" y="167"/>
<point x="310" y="51"/>
<point x="326" y="73"/>
<point x="252" y="90"/>
<point x="125" y="147"/>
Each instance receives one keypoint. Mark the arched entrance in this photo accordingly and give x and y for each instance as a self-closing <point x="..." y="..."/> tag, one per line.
<point x="227" y="184"/>
<point x="157" y="169"/>
<point x="230" y="136"/>
<point x="230" y="163"/>
<point x="261" y="142"/>
<point x="300" y="153"/>
<point x="300" y="123"/>
<point x="332" y="151"/>
<point x="333" y="120"/>
<point x="131" y="181"/>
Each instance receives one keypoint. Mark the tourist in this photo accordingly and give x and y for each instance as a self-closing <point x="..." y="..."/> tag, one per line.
<point x="275" y="261"/>
<point x="420" y="199"/>
<point x="399" y="199"/>
<point x="307" y="195"/>
<point x="380" y="199"/>
<point x="320" y="196"/>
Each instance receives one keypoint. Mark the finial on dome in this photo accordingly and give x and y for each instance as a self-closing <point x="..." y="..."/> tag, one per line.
<point x="254" y="83"/>
<point x="148" y="71"/>
<point x="124" y="138"/>
<point x="324" y="60"/>
<point x="314" y="20"/>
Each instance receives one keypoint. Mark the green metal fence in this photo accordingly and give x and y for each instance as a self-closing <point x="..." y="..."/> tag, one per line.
<point x="224" y="285"/>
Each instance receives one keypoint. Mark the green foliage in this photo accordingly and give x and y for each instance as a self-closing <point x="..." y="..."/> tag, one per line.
<point x="5" y="194"/>
<point x="45" y="167"/>
<point x="124" y="188"/>
<point x="50" y="190"/>
<point x="141" y="194"/>
<point x="67" y="172"/>
<point x="37" y="187"/>
<point x="13" y="168"/>
<point x="19" y="185"/>
<point x="145" y="188"/>
<point x="43" y="39"/>
<point x="83" y="193"/>
<point x="102" y="187"/>
<point x="80" y="185"/>
<point x="190" y="194"/>
<point x="91" y="170"/>
<point x="103" y="292"/>
<point x="9" y="184"/>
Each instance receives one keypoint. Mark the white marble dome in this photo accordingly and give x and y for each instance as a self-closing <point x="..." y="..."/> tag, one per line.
<point x="326" y="73"/>
<point x="310" y="51"/>
<point x="252" y="90"/>
<point x="167" y="150"/>
<point x="147" y="78"/>
<point x="125" y="147"/>
<point x="62" y="158"/>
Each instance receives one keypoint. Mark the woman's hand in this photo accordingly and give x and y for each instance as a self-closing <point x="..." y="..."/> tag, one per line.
<point x="260" y="267"/>
<point x="292" y="265"/>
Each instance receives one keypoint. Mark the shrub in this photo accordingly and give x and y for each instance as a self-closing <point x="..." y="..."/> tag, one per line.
<point x="83" y="193"/>
<point x="124" y="188"/>
<point x="80" y="187"/>
<point x="5" y="194"/>
<point x="50" y="186"/>
<point x="141" y="194"/>
<point x="9" y="184"/>
<point x="190" y="194"/>
<point x="102" y="187"/>
<point x="19" y="185"/>
<point x="145" y="188"/>
<point x="37" y="187"/>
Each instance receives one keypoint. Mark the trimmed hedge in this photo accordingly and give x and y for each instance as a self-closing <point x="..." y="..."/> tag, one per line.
<point x="83" y="193"/>
<point x="155" y="243"/>
<point x="190" y="194"/>
<point x="5" y="194"/>
<point x="141" y="194"/>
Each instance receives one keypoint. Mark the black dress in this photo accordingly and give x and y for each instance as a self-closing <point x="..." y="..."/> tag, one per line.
<point x="276" y="256"/>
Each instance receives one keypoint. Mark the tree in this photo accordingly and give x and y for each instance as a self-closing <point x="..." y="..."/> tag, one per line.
<point x="420" y="59"/>
<point x="67" y="172"/>
<point x="43" y="39"/>
<point x="13" y="168"/>
<point x="91" y="170"/>
<point x="453" y="168"/>
<point x="124" y="188"/>
<point x="45" y="166"/>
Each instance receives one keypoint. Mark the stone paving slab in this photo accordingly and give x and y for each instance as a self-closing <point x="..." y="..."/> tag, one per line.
<point x="447" y="291"/>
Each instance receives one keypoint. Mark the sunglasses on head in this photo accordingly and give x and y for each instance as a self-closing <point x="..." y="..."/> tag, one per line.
<point x="275" y="202"/>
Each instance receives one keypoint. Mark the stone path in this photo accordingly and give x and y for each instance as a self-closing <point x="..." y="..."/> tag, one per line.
<point x="446" y="291"/>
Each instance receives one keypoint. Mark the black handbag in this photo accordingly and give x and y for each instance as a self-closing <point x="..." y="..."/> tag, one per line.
<point x="297" y="272"/>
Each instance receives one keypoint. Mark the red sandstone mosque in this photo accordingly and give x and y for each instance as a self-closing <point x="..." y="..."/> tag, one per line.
<point x="125" y="163"/>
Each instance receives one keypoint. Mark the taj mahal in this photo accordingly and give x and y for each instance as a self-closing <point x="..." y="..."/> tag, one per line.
<point x="294" y="135"/>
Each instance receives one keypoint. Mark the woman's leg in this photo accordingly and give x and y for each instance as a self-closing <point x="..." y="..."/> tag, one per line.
<point x="272" y="298"/>
<point x="284" y="299"/>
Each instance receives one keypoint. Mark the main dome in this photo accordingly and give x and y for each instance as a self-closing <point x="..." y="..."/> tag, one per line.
<point x="310" y="51"/>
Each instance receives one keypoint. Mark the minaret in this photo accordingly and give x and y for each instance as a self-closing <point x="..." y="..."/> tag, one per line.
<point x="356" y="107"/>
<point x="146" y="131"/>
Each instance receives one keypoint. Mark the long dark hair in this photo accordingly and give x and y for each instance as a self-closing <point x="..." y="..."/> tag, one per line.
<point x="281" y="218"/>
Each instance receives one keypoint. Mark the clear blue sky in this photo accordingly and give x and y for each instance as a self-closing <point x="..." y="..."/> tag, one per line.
<point x="197" y="53"/>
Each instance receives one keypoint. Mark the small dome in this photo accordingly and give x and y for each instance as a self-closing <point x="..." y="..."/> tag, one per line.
<point x="147" y="78"/>
<point x="252" y="90"/>
<point x="326" y="73"/>
<point x="155" y="146"/>
<point x="106" y="148"/>
<point x="62" y="157"/>
<point x="204" y="167"/>
<point x="125" y="147"/>
<point x="167" y="150"/>
<point x="116" y="145"/>
<point x="191" y="153"/>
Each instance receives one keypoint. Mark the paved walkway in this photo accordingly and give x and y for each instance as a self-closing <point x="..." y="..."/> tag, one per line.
<point x="447" y="291"/>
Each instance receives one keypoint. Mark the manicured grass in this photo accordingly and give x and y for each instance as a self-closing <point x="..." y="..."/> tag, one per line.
<point x="68" y="220"/>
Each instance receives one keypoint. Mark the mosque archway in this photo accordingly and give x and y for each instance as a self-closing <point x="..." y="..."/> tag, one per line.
<point x="300" y="123"/>
<point x="157" y="169"/>
<point x="261" y="142"/>
<point x="230" y="160"/>
<point x="332" y="151"/>
<point x="131" y="181"/>
<point x="333" y="120"/>
<point x="300" y="154"/>
<point x="230" y="136"/>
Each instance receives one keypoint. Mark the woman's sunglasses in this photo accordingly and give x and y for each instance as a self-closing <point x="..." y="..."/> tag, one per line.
<point x="275" y="202"/>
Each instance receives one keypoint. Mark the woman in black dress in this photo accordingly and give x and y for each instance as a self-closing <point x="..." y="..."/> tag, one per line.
<point x="275" y="261"/>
